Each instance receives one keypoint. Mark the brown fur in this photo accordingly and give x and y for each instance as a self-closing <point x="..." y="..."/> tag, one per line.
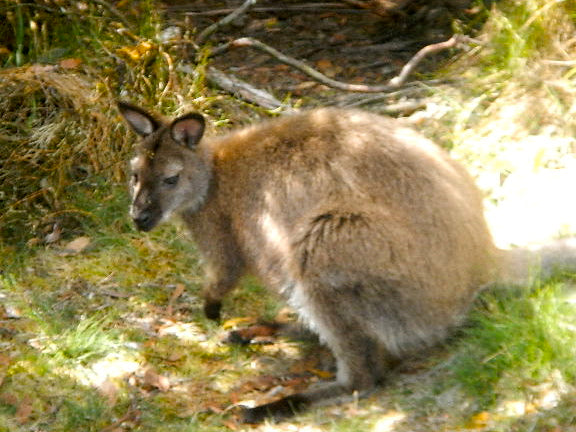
<point x="371" y="232"/>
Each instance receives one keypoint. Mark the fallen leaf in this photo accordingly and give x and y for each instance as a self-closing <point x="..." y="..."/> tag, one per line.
<point x="280" y="68"/>
<point x="328" y="68"/>
<point x="109" y="389"/>
<point x="231" y="424"/>
<point x="153" y="379"/>
<point x="322" y="374"/>
<point x="306" y="85"/>
<point x="40" y="69"/>
<point x="338" y="38"/>
<point x="5" y="361"/>
<point x="24" y="410"/>
<point x="70" y="63"/>
<point x="178" y="291"/>
<point x="9" y="398"/>
<point x="324" y="64"/>
<point x="235" y="322"/>
<point x="480" y="420"/>
<point x="271" y="23"/>
<point x="175" y="356"/>
<point x="137" y="52"/>
<point x="262" y="334"/>
<point x="77" y="245"/>
<point x="10" y="312"/>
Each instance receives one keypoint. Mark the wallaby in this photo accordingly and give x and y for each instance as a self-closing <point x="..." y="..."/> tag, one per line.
<point x="371" y="232"/>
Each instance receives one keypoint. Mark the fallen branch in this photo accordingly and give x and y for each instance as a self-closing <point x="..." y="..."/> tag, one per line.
<point x="393" y="84"/>
<point x="244" y="90"/>
<point x="297" y="64"/>
<point x="208" y="31"/>
<point x="409" y="67"/>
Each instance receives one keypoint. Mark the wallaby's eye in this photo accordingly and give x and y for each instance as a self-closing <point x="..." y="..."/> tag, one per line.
<point x="171" y="181"/>
<point x="134" y="178"/>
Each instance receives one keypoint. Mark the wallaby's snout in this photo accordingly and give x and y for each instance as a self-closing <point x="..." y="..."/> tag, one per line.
<point x="144" y="210"/>
<point x="145" y="220"/>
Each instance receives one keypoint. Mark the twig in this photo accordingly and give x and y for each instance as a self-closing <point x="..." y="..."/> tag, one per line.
<point x="311" y="72"/>
<point x="208" y="31"/>
<point x="424" y="52"/>
<point x="393" y="84"/>
<point x="243" y="90"/>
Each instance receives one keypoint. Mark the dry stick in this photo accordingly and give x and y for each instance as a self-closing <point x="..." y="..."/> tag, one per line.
<point x="419" y="56"/>
<point x="393" y="84"/>
<point x="208" y="31"/>
<point x="244" y="90"/>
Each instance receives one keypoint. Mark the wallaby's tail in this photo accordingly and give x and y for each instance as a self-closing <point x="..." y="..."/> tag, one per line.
<point x="525" y="265"/>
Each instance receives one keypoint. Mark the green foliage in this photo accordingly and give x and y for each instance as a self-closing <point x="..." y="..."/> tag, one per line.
<point x="515" y="342"/>
<point x="519" y="33"/>
<point x="61" y="137"/>
<point x="91" y="339"/>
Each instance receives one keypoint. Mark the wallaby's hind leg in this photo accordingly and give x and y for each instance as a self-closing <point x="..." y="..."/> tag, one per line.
<point x="363" y="362"/>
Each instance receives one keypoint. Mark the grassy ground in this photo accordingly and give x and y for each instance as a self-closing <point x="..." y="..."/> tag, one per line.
<point x="101" y="327"/>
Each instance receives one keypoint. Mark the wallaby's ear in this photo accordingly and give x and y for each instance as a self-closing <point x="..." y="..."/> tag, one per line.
<point x="139" y="120"/>
<point x="188" y="129"/>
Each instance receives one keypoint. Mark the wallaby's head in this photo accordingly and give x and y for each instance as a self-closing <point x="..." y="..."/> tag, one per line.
<point x="169" y="172"/>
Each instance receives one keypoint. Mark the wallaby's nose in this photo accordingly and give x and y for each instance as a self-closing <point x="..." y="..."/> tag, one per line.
<point x="144" y="220"/>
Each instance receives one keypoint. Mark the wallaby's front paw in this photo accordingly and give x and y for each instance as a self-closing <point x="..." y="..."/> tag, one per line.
<point x="212" y="310"/>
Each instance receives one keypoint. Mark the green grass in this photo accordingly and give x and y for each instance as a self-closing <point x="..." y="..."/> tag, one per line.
<point x="517" y="343"/>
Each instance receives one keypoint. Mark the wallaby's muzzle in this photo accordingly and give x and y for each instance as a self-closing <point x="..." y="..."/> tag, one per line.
<point x="145" y="219"/>
<point x="145" y="210"/>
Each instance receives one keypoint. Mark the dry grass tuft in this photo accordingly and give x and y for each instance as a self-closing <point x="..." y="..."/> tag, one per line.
<point x="57" y="132"/>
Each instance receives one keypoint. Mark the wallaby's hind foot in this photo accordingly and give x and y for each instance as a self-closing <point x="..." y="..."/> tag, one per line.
<point x="289" y="406"/>
<point x="277" y="411"/>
